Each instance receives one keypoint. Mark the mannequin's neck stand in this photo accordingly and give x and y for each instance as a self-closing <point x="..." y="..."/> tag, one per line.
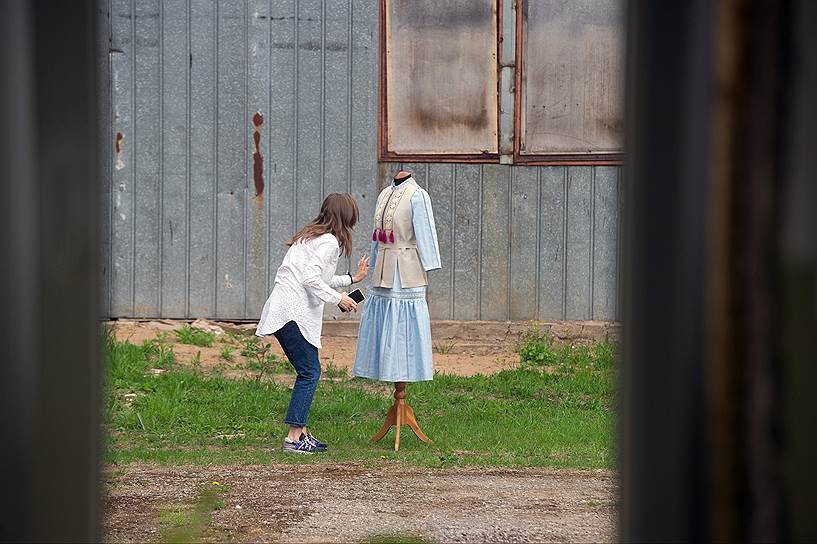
<point x="401" y="176"/>
<point x="400" y="414"/>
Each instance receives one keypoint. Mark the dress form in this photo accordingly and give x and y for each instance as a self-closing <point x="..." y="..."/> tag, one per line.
<point x="400" y="412"/>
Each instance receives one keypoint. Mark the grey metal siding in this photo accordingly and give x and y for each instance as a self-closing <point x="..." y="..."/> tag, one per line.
<point x="184" y="233"/>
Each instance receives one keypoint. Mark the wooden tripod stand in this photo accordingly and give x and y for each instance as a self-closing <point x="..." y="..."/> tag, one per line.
<point x="400" y="414"/>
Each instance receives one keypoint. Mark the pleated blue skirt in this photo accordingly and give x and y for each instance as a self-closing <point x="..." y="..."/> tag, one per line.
<point x="394" y="341"/>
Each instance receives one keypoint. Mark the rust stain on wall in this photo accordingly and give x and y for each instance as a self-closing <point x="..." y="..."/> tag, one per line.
<point x="120" y="164"/>
<point x="257" y="158"/>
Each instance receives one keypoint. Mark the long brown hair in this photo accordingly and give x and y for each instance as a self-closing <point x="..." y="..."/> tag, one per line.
<point x="339" y="214"/>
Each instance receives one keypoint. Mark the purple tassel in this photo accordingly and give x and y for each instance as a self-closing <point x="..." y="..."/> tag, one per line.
<point x="374" y="235"/>
<point x="382" y="236"/>
<point x="391" y="237"/>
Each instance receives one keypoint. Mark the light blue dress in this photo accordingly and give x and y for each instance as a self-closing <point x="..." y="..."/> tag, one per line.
<point x="394" y="341"/>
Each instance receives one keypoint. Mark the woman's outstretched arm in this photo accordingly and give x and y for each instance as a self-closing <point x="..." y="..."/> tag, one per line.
<point x="325" y="258"/>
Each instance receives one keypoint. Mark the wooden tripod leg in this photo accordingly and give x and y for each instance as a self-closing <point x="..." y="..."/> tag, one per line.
<point x="412" y="422"/>
<point x="400" y="412"/>
<point x="400" y="403"/>
<point x="391" y="419"/>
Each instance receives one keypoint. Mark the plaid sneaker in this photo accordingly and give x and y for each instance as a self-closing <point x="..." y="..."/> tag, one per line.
<point x="301" y="446"/>
<point x="319" y="446"/>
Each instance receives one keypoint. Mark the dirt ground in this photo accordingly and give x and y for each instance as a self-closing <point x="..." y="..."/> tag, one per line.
<point x="351" y="502"/>
<point x="354" y="503"/>
<point x="460" y="356"/>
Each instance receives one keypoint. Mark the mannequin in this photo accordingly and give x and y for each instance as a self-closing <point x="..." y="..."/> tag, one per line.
<point x="400" y="412"/>
<point x="394" y="341"/>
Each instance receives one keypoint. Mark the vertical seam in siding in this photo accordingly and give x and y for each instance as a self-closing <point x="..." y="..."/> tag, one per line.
<point x="348" y="108"/>
<point x="295" y="120"/>
<point x="323" y="101"/>
<point x="591" y="260"/>
<point x="267" y="198"/>
<point x="453" y="237"/>
<point x="187" y="170"/>
<point x="215" y="161"/>
<point x="565" y="187"/>
<point x="111" y="185"/>
<point x="246" y="155"/>
<point x="510" y="242"/>
<point x="538" y="240"/>
<point x="479" y="241"/>
<point x="349" y="68"/>
<point x="133" y="161"/>
<point x="161" y="211"/>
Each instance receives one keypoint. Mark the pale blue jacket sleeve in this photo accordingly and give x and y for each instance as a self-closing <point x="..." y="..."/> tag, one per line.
<point x="425" y="231"/>
<point x="373" y="255"/>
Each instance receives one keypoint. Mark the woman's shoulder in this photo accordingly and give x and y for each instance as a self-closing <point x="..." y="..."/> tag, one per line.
<point x="324" y="241"/>
<point x="326" y="238"/>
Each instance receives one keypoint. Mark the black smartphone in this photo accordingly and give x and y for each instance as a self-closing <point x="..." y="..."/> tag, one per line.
<point x="357" y="296"/>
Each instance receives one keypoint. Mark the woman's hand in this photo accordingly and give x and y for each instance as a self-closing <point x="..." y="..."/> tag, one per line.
<point x="347" y="304"/>
<point x="362" y="269"/>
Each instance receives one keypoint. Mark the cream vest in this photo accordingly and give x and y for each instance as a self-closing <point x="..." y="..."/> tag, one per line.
<point x="397" y="246"/>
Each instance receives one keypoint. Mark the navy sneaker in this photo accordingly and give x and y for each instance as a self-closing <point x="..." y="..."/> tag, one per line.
<point x="319" y="446"/>
<point x="302" y="446"/>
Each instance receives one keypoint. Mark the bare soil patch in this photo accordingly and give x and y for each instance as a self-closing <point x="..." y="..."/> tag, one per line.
<point x="462" y="357"/>
<point x="353" y="502"/>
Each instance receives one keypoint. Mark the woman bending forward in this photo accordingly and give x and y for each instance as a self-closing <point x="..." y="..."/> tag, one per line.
<point x="306" y="281"/>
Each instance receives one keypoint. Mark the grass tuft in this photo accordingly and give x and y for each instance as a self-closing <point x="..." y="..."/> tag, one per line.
<point x="158" y="354"/>
<point x="537" y="350"/>
<point x="332" y="372"/>
<point x="227" y="353"/>
<point x="195" y="337"/>
<point x="444" y="348"/>
<point x="190" y="523"/>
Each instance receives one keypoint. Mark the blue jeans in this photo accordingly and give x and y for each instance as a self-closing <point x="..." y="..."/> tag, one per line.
<point x="304" y="357"/>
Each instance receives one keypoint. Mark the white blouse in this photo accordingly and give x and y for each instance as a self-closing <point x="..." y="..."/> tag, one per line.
<point x="305" y="281"/>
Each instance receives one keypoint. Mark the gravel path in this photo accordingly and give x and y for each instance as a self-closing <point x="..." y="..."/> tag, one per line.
<point x="353" y="502"/>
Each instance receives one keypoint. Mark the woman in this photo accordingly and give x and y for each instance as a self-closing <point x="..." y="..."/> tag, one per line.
<point x="306" y="281"/>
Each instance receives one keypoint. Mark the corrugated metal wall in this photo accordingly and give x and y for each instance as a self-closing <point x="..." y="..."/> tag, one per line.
<point x="186" y="235"/>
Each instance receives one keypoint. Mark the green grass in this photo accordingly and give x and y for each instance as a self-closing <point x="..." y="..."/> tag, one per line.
<point x="188" y="523"/>
<point x="444" y="348"/>
<point x="227" y="353"/>
<point x="553" y="411"/>
<point x="157" y="354"/>
<point x="332" y="372"/>
<point x="196" y="337"/>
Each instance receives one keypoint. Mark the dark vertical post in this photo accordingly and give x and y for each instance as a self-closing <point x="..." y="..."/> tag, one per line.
<point x="50" y="376"/>
<point x="717" y="404"/>
<point x="798" y="275"/>
<point x="663" y="431"/>
<point x="18" y="273"/>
